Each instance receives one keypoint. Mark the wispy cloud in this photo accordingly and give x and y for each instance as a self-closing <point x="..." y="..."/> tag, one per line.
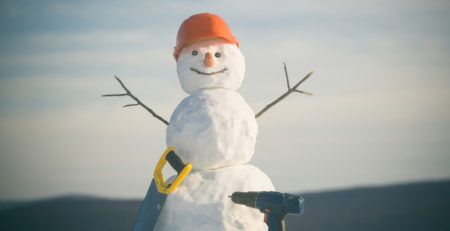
<point x="380" y="111"/>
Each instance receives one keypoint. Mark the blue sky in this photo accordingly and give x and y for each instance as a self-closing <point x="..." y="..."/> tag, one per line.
<point x="380" y="113"/>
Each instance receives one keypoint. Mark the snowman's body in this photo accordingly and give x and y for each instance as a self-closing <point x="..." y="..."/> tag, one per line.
<point x="215" y="130"/>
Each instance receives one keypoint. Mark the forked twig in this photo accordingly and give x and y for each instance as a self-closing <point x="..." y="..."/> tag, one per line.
<point x="138" y="102"/>
<point x="288" y="92"/>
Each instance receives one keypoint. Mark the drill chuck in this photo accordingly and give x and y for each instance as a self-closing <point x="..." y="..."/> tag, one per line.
<point x="245" y="198"/>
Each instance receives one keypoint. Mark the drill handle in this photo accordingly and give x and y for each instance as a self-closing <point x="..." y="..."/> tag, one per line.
<point x="274" y="220"/>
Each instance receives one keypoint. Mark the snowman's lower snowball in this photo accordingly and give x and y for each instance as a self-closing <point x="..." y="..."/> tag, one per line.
<point x="202" y="202"/>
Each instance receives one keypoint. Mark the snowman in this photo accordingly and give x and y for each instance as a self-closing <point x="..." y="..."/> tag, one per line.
<point x="215" y="130"/>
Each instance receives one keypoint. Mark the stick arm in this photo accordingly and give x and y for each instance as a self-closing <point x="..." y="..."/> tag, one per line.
<point x="287" y="93"/>
<point x="138" y="102"/>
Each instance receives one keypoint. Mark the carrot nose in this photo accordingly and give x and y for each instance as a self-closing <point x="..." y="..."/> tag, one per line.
<point x="208" y="60"/>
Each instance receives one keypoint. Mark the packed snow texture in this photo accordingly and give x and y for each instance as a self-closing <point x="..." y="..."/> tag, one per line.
<point x="230" y="64"/>
<point x="202" y="201"/>
<point x="213" y="128"/>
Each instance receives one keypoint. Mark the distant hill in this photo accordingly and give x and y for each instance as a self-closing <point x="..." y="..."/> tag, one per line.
<point x="419" y="206"/>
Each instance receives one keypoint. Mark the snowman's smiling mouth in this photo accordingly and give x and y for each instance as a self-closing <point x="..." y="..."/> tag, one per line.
<point x="211" y="73"/>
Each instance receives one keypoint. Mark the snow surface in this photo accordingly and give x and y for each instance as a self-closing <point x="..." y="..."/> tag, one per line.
<point x="230" y="58"/>
<point x="202" y="201"/>
<point x="213" y="128"/>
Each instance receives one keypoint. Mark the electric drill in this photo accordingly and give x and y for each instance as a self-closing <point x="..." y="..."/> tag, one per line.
<point x="274" y="205"/>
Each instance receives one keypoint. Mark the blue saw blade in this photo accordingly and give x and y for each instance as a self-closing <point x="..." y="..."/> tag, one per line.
<point x="150" y="209"/>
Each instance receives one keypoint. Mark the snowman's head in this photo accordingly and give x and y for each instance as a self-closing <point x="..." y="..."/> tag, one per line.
<point x="212" y="63"/>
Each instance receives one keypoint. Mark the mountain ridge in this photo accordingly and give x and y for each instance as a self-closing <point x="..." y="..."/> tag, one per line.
<point x="411" y="206"/>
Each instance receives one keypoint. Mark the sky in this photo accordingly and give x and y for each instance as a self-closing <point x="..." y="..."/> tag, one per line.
<point x="380" y="113"/>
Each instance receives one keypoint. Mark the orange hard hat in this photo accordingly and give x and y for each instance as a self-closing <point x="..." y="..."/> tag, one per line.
<point x="201" y="27"/>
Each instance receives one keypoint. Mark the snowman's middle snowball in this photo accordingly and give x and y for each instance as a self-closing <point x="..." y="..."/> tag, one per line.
<point x="213" y="128"/>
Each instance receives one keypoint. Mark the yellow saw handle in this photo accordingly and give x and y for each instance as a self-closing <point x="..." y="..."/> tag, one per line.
<point x="161" y="184"/>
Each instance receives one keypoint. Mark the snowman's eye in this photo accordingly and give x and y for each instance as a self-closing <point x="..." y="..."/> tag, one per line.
<point x="217" y="54"/>
<point x="194" y="53"/>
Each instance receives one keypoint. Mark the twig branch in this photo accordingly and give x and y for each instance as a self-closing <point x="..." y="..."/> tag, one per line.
<point x="138" y="102"/>
<point x="287" y="77"/>
<point x="304" y="92"/>
<point x="106" y="95"/>
<point x="288" y="92"/>
<point x="131" y="105"/>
